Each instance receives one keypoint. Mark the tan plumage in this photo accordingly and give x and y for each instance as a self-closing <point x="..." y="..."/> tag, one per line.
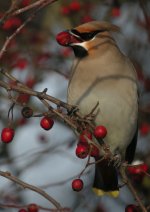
<point x="96" y="25"/>
<point x="106" y="76"/>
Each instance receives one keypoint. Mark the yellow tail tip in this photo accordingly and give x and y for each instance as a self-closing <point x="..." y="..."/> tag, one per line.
<point x="100" y="192"/>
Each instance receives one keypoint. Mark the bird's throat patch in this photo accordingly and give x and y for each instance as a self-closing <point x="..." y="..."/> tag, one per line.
<point x="79" y="51"/>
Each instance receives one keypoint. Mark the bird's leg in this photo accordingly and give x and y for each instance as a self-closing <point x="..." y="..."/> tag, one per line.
<point x="116" y="160"/>
<point x="73" y="110"/>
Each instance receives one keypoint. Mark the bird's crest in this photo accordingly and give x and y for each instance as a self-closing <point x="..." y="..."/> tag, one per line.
<point x="97" y="25"/>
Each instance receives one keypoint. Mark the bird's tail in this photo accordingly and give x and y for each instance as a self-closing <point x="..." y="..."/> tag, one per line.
<point x="106" y="179"/>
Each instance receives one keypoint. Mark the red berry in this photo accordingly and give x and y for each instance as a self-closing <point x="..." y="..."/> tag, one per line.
<point x="46" y="123"/>
<point x="66" y="39"/>
<point x="43" y="57"/>
<point x="21" y="121"/>
<point x="7" y="135"/>
<point x="145" y="129"/>
<point x="30" y="82"/>
<point x="83" y="136"/>
<point x="86" y="18"/>
<point x="115" y="12"/>
<point x="65" y="10"/>
<point x="82" y="150"/>
<point x="75" y="6"/>
<point x="21" y="63"/>
<point x="138" y="170"/>
<point x="23" y="98"/>
<point x="77" y="185"/>
<point x="66" y="52"/>
<point x="131" y="208"/>
<point x="100" y="131"/>
<point x="94" y="151"/>
<point x="33" y="208"/>
<point x="25" y="2"/>
<point x="22" y="210"/>
<point x="63" y="38"/>
<point x="12" y="23"/>
<point x="144" y="167"/>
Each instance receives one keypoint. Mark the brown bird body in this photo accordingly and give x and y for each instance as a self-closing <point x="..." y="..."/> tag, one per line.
<point x="102" y="73"/>
<point x="108" y="77"/>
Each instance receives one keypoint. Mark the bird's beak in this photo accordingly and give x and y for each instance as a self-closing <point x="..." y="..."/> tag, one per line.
<point x="66" y="38"/>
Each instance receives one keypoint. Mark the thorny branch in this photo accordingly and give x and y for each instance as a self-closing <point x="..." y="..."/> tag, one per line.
<point x="10" y="38"/>
<point x="33" y="5"/>
<point x="72" y="117"/>
<point x="13" y="10"/>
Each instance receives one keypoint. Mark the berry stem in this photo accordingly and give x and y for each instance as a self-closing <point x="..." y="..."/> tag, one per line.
<point x="10" y="111"/>
<point x="87" y="164"/>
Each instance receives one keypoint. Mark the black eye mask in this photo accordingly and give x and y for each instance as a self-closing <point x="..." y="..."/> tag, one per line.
<point x="85" y="36"/>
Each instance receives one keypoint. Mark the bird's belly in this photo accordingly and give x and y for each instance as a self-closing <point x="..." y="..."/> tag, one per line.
<point x="117" y="110"/>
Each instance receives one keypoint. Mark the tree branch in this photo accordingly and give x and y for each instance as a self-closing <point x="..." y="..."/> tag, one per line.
<point x="31" y="187"/>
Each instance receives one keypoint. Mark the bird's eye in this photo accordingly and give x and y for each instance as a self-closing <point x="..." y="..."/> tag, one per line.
<point x="75" y="32"/>
<point x="85" y="36"/>
<point x="88" y="35"/>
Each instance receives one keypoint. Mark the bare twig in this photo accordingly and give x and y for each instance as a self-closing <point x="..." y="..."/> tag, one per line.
<point x="31" y="187"/>
<point x="131" y="187"/>
<point x="10" y="38"/>
<point x="32" y="6"/>
<point x="76" y="121"/>
<point x="21" y="88"/>
<point x="39" y="207"/>
<point x="12" y="8"/>
<point x="87" y="164"/>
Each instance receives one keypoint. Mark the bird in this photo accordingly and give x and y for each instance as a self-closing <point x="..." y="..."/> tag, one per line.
<point x="102" y="73"/>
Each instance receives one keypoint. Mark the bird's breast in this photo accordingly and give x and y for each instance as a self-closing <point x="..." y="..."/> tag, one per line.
<point x="115" y="89"/>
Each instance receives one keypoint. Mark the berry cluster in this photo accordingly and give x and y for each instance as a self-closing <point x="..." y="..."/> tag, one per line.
<point x="74" y="6"/>
<point x="31" y="208"/>
<point x="8" y="133"/>
<point x="144" y="129"/>
<point x="86" y="147"/>
<point x="137" y="172"/>
<point x="83" y="9"/>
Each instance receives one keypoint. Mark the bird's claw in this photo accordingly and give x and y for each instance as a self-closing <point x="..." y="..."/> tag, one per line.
<point x="73" y="110"/>
<point x="116" y="160"/>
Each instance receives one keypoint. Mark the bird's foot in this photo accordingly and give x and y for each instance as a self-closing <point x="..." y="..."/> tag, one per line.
<point x="73" y="110"/>
<point x="92" y="114"/>
<point x="89" y="117"/>
<point x="116" y="160"/>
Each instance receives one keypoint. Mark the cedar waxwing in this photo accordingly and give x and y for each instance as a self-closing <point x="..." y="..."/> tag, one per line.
<point x="102" y="73"/>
